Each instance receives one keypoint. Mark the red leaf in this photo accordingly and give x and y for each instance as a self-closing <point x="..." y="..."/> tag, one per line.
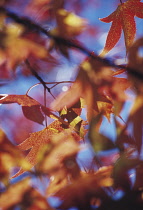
<point x="30" y="107"/>
<point x="123" y="18"/>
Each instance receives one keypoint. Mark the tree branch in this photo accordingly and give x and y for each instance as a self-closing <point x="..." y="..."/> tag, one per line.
<point x="31" y="25"/>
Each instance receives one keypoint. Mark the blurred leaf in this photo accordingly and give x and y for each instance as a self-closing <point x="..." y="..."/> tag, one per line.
<point x="120" y="171"/>
<point x="64" y="146"/>
<point x="24" y="196"/>
<point x="69" y="24"/>
<point x="90" y="77"/>
<point x="10" y="157"/>
<point x="136" y="64"/>
<point x="136" y="119"/>
<point x="138" y="185"/>
<point x="99" y="141"/>
<point x="17" y="49"/>
<point x="15" y="194"/>
<point x="85" y="188"/>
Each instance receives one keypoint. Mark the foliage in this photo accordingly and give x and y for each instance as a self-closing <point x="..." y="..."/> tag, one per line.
<point x="70" y="121"/>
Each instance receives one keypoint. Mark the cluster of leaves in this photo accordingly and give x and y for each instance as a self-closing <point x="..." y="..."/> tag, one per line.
<point x="100" y="90"/>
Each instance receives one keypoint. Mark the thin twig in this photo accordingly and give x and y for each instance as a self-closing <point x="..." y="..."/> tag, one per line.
<point x="45" y="104"/>
<point x="48" y="83"/>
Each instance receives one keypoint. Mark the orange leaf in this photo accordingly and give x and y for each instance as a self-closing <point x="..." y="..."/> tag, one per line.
<point x="96" y="84"/>
<point x="36" y="142"/>
<point x="24" y="196"/>
<point x="15" y="194"/>
<point x="10" y="157"/>
<point x="123" y="19"/>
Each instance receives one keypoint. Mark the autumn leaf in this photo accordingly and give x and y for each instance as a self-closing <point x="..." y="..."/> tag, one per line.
<point x="85" y="188"/>
<point x="122" y="19"/>
<point x="69" y="25"/>
<point x="60" y="162"/>
<point x="10" y="157"/>
<point x="64" y="146"/>
<point x="20" y="188"/>
<point x="24" y="196"/>
<point x="98" y="87"/>
<point x="31" y="108"/>
<point x="85" y="87"/>
<point x="14" y="43"/>
<point x="36" y="142"/>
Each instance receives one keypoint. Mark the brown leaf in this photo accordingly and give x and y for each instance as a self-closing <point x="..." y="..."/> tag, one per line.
<point x="85" y="188"/>
<point x="136" y="64"/>
<point x="99" y="88"/>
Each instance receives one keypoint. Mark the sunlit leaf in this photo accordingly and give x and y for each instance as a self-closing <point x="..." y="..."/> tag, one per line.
<point x="24" y="196"/>
<point x="122" y="19"/>
<point x="18" y="49"/>
<point x="15" y="194"/>
<point x="36" y="142"/>
<point x="10" y="157"/>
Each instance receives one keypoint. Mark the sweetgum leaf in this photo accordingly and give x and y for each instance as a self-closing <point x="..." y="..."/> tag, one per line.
<point x="36" y="142"/>
<point x="90" y="77"/>
<point x="122" y="19"/>
<point x="31" y="108"/>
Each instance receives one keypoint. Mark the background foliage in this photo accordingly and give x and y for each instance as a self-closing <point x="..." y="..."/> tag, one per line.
<point x="71" y="104"/>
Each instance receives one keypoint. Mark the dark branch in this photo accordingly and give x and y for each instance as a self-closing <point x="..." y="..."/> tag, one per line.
<point x="37" y="76"/>
<point x="66" y="42"/>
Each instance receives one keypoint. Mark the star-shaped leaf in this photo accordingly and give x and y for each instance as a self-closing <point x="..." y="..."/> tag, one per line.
<point x="123" y="19"/>
<point x="36" y="142"/>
